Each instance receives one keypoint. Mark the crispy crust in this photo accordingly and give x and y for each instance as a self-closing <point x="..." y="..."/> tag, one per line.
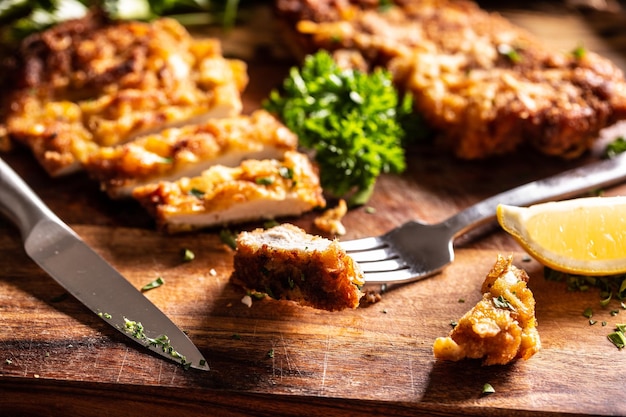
<point x="91" y="82"/>
<point x="501" y="327"/>
<point x="486" y="86"/>
<point x="189" y="150"/>
<point x="255" y="190"/>
<point x="288" y="264"/>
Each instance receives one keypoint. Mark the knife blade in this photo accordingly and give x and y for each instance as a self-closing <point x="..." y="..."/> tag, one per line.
<point x="61" y="253"/>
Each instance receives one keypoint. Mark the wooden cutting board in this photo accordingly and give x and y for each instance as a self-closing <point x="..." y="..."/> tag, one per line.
<point x="277" y="358"/>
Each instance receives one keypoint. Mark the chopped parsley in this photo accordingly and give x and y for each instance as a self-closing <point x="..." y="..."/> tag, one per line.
<point x="136" y="330"/>
<point x="197" y="193"/>
<point x="617" y="337"/>
<point x="579" y="52"/>
<point x="501" y="302"/>
<point x="228" y="238"/>
<point x="154" y="284"/>
<point x="510" y="52"/>
<point x="488" y="388"/>
<point x="188" y="255"/>
<point x="611" y="287"/>
<point x="264" y="181"/>
<point x="615" y="147"/>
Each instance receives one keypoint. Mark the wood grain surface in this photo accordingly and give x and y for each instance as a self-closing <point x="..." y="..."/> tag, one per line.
<point x="277" y="358"/>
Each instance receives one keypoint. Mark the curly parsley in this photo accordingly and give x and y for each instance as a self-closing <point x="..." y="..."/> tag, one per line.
<point x="351" y="120"/>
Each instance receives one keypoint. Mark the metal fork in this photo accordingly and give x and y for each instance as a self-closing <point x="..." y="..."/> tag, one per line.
<point x="417" y="250"/>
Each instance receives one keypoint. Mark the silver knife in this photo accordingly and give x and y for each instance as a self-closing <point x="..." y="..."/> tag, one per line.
<point x="60" y="252"/>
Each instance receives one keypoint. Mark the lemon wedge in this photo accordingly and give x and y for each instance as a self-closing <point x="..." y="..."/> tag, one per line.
<point x="585" y="236"/>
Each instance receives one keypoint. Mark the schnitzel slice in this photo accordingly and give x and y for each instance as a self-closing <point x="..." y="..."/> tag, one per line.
<point x="485" y="86"/>
<point x="188" y="150"/>
<point x="93" y="82"/>
<point x="255" y="190"/>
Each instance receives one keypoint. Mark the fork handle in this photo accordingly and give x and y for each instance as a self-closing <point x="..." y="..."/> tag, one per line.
<point x="561" y="186"/>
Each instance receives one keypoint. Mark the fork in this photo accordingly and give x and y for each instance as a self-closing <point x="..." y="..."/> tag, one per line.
<point x="416" y="250"/>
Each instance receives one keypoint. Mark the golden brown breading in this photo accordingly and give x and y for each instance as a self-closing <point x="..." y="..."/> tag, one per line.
<point x="255" y="190"/>
<point x="486" y="86"/>
<point x="91" y="82"/>
<point x="187" y="151"/>
<point x="501" y="327"/>
<point x="288" y="264"/>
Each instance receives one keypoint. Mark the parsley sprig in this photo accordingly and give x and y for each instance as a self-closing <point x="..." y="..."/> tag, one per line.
<point x="351" y="120"/>
<point x="18" y="18"/>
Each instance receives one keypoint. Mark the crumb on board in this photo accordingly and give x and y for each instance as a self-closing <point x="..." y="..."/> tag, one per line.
<point x="330" y="220"/>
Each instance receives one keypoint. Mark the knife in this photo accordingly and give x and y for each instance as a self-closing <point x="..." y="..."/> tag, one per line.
<point x="60" y="252"/>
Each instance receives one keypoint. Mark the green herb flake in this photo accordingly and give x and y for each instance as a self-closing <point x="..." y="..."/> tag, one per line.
<point x="510" y="52"/>
<point x="104" y="315"/>
<point x="188" y="255"/>
<point x="488" y="388"/>
<point x="270" y="353"/>
<point x="579" y="52"/>
<point x="501" y="302"/>
<point x="235" y="336"/>
<point x="228" y="238"/>
<point x="264" y="181"/>
<point x="615" y="147"/>
<point x="197" y="193"/>
<point x="154" y="284"/>
<point x="617" y="338"/>
<point x="286" y="172"/>
<point x="588" y="313"/>
<point x="136" y="330"/>
<point x="270" y="223"/>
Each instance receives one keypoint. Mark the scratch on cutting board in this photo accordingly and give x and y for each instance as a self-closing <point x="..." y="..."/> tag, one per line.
<point x="119" y="375"/>
<point x="293" y="368"/>
<point x="325" y="365"/>
<point x="413" y="390"/>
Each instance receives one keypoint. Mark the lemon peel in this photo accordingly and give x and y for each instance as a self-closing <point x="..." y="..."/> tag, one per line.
<point x="585" y="236"/>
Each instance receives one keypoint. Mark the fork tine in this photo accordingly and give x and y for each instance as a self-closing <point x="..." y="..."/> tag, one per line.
<point x="373" y="255"/>
<point x="364" y="244"/>
<point x="394" y="277"/>
<point x="391" y="265"/>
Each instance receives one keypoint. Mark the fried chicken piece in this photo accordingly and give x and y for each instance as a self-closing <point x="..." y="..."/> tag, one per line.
<point x="254" y="190"/>
<point x="330" y="220"/>
<point x="485" y="86"/>
<point x="189" y="150"/>
<point x="289" y="264"/>
<point x="93" y="82"/>
<point x="502" y="325"/>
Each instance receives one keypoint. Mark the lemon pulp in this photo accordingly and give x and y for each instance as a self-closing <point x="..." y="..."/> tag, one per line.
<point x="584" y="233"/>
<point x="582" y="236"/>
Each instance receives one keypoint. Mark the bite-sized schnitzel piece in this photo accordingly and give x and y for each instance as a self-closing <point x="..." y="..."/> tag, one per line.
<point x="485" y="86"/>
<point x="501" y="327"/>
<point x="187" y="151"/>
<point x="254" y="190"/>
<point x="93" y="82"/>
<point x="289" y="264"/>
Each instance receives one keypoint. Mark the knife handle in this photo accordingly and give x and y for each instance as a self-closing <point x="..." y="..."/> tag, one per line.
<point x="19" y="203"/>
